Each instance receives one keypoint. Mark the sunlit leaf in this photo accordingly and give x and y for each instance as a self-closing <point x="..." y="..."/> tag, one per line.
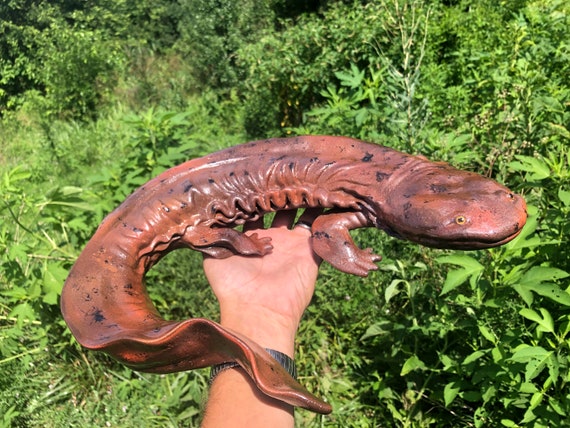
<point x="411" y="364"/>
<point x="450" y="391"/>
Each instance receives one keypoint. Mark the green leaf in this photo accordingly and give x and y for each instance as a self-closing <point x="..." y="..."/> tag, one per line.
<point x="564" y="196"/>
<point x="529" y="416"/>
<point x="450" y="391"/>
<point x="557" y="406"/>
<point x="447" y="362"/>
<point x="559" y="129"/>
<point x="490" y="393"/>
<point x="54" y="277"/>
<point x="535" y="168"/>
<point x="525" y="353"/>
<point x="542" y="274"/>
<point x="379" y="329"/>
<point x="525" y="294"/>
<point x="552" y="291"/>
<point x="536" y="359"/>
<point x="392" y="289"/>
<point x="487" y="334"/>
<point x="545" y="321"/>
<point x="471" y="268"/>
<point x="19" y="173"/>
<point x="535" y="280"/>
<point x="553" y="367"/>
<point x="353" y="79"/>
<point x="536" y="399"/>
<point x="528" y="388"/>
<point x="411" y="364"/>
<point x="474" y="356"/>
<point x="23" y="312"/>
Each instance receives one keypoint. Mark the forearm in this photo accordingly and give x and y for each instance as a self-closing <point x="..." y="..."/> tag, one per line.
<point x="262" y="298"/>
<point x="235" y="400"/>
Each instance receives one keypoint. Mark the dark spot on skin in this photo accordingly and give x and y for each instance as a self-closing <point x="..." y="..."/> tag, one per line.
<point x="246" y="173"/>
<point x="137" y="230"/>
<point x="320" y="235"/>
<point x="124" y="224"/>
<point x="232" y="174"/>
<point x="187" y="187"/>
<point x="98" y="316"/>
<point x="315" y="159"/>
<point x="106" y="261"/>
<point x="380" y="176"/>
<point x="211" y="180"/>
<point x="183" y="205"/>
<point x="277" y="159"/>
<point x="170" y="191"/>
<point x="438" y="188"/>
<point x="368" y="157"/>
<point x="407" y="207"/>
<point x="129" y="289"/>
<point x="87" y="297"/>
<point x="400" y="164"/>
<point x="291" y="166"/>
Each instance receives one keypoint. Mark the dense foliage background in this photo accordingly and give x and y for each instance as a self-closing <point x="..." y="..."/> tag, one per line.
<point x="98" y="96"/>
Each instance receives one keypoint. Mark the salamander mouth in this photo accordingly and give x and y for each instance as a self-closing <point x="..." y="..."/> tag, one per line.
<point x="465" y="243"/>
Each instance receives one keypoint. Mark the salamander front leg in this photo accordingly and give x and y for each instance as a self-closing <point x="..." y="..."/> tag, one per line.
<point x="333" y="243"/>
<point x="223" y="242"/>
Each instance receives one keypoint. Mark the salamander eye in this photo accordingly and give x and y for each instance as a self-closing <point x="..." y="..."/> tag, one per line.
<point x="460" y="220"/>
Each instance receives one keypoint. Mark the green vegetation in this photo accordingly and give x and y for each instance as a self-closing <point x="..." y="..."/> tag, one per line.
<point x="97" y="97"/>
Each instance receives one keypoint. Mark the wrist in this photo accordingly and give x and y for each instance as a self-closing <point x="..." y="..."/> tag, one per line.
<point x="266" y="328"/>
<point x="283" y="359"/>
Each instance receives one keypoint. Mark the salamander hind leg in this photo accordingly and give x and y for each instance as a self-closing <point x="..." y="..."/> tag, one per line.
<point x="333" y="243"/>
<point x="224" y="242"/>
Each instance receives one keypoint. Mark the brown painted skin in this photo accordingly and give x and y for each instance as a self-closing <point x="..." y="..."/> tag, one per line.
<point x="196" y="204"/>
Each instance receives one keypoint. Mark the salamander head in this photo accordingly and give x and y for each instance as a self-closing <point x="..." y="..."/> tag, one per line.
<point x="446" y="208"/>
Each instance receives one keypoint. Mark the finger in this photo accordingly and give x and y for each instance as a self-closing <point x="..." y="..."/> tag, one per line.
<point x="284" y="218"/>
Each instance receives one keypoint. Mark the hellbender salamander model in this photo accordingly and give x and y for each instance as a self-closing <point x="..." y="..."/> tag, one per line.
<point x="197" y="204"/>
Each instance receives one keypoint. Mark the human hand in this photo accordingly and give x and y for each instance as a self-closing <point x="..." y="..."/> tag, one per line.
<point x="264" y="297"/>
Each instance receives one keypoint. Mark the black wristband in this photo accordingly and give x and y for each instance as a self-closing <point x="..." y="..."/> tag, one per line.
<point x="283" y="359"/>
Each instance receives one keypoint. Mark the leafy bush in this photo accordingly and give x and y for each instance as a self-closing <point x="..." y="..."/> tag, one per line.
<point x="435" y="338"/>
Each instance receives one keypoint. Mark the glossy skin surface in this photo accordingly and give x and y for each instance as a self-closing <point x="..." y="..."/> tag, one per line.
<point x="197" y="204"/>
